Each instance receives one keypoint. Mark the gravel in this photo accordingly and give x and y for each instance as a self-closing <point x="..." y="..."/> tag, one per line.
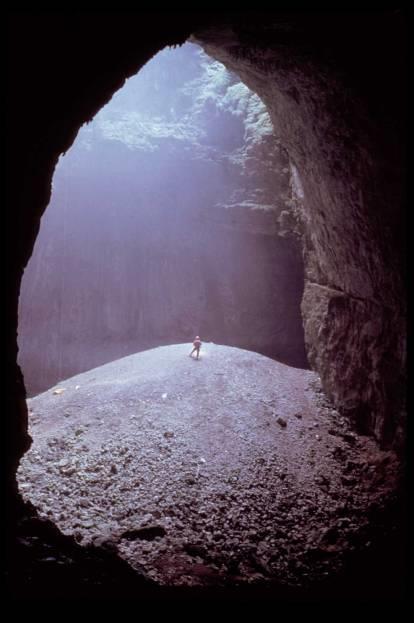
<point x="231" y="469"/>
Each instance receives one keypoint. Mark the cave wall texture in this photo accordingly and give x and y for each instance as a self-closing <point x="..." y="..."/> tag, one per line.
<point x="333" y="84"/>
<point x="342" y="137"/>
<point x="167" y="219"/>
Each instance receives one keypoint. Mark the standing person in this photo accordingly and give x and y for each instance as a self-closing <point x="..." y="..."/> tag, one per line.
<point x="197" y="346"/>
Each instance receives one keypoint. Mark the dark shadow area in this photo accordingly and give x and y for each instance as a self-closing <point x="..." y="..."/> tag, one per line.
<point x="49" y="566"/>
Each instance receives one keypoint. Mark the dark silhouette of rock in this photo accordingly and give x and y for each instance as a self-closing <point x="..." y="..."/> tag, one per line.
<point x="148" y="533"/>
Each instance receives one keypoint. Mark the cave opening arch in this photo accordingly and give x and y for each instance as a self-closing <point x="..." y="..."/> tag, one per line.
<point x="380" y="199"/>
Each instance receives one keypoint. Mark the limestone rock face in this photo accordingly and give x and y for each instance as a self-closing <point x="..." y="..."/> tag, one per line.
<point x="168" y="218"/>
<point x="350" y="172"/>
<point x="353" y="347"/>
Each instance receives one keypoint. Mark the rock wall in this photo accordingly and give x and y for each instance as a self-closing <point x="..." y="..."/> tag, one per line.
<point x="164" y="222"/>
<point x="351" y="172"/>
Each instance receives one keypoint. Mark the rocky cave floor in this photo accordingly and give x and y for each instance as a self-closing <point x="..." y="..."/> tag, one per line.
<point x="232" y="470"/>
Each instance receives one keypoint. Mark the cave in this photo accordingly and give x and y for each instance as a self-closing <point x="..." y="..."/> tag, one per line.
<point x="343" y="131"/>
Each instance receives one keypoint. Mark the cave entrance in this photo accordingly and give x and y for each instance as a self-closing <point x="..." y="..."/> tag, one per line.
<point x="175" y="213"/>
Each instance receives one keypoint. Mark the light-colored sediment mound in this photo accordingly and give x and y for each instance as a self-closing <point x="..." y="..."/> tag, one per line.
<point x="228" y="469"/>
